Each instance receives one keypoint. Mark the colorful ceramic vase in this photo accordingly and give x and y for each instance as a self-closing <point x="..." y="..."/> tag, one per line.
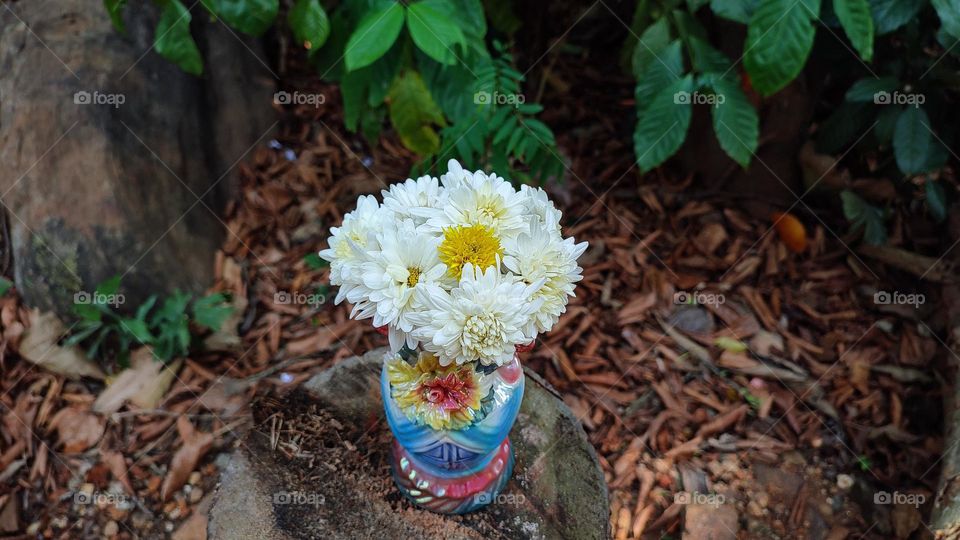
<point x="451" y="453"/>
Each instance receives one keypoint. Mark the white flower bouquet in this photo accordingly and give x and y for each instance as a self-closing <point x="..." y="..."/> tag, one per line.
<point x="464" y="266"/>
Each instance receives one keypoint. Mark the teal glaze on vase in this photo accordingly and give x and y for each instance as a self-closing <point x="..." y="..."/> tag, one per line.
<point x="460" y="468"/>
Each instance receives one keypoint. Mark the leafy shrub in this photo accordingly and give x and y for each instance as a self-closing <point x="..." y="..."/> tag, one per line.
<point x="676" y="67"/>
<point x="425" y="65"/>
<point x="105" y="333"/>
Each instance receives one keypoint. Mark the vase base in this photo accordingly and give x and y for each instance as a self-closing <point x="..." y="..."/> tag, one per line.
<point x="452" y="492"/>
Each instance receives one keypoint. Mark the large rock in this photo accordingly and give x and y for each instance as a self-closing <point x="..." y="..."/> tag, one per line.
<point x="340" y="485"/>
<point x="114" y="160"/>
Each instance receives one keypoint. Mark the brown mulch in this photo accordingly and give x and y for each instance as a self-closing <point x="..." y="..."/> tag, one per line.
<point x="831" y="384"/>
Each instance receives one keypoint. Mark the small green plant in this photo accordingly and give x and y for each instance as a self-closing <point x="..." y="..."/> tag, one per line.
<point x="105" y="333"/>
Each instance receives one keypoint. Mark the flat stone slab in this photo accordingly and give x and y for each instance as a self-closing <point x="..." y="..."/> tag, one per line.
<point x="316" y="465"/>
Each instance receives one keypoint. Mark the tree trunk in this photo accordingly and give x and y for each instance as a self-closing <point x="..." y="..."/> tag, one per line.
<point x="115" y="162"/>
<point x="946" y="506"/>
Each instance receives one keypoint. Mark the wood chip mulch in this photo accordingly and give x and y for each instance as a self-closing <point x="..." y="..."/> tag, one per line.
<point x="783" y="391"/>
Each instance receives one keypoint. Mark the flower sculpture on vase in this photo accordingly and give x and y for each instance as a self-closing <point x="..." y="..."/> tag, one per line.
<point x="460" y="273"/>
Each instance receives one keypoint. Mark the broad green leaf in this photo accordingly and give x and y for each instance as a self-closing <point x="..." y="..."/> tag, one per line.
<point x="373" y="36"/>
<point x="862" y="214"/>
<point x="735" y="122"/>
<point x="651" y="43"/>
<point x="735" y="10"/>
<point x="433" y="31"/>
<point x="309" y="24"/>
<point x="5" y="285"/>
<point x="936" y="200"/>
<point x="857" y="22"/>
<point x="888" y="15"/>
<point x="662" y="127"/>
<point x="109" y="286"/>
<point x="866" y="90"/>
<point x="470" y="17"/>
<point x="414" y="114"/>
<point x="87" y="312"/>
<point x="779" y="39"/>
<point x="252" y="17"/>
<point x="353" y="88"/>
<point x="115" y="10"/>
<point x="172" y="39"/>
<point x="212" y="311"/>
<point x="706" y="59"/>
<point x="329" y="58"/>
<point x="662" y="71"/>
<point x="949" y="12"/>
<point x="137" y="329"/>
<point x="912" y="140"/>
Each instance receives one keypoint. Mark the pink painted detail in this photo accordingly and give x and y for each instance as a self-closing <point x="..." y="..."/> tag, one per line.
<point x="511" y="373"/>
<point x="526" y="348"/>
<point x="382" y="330"/>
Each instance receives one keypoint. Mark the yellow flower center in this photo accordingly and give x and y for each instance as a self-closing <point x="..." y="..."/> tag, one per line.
<point x="413" y="276"/>
<point x="475" y="244"/>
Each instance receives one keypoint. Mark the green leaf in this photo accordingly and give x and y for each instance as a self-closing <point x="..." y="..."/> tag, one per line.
<point x="309" y="24"/>
<point x="433" y="31"/>
<point x="414" y="113"/>
<point x="252" y="17"/>
<point x="138" y="330"/>
<point x="779" y="38"/>
<point x="5" y="285"/>
<point x="857" y="22"/>
<point x="145" y="307"/>
<point x="735" y="10"/>
<point x="115" y="10"/>
<point x="212" y="311"/>
<point x="936" y="200"/>
<point x="888" y="15"/>
<point x="109" y="286"/>
<point x="707" y="59"/>
<point x="87" y="312"/>
<point x="653" y="40"/>
<point x="912" y="140"/>
<point x="949" y="13"/>
<point x="662" y="127"/>
<point x="172" y="39"/>
<point x="314" y="262"/>
<point x="663" y="71"/>
<point x="374" y="36"/>
<point x="735" y="122"/>
<point x="866" y="90"/>
<point x="862" y="214"/>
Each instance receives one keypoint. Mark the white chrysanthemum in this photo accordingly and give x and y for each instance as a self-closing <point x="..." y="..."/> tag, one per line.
<point x="405" y="262"/>
<point x="415" y="199"/>
<point x="351" y="243"/>
<point x="479" y="199"/>
<point x="483" y="319"/>
<point x="541" y="255"/>
<point x="538" y="205"/>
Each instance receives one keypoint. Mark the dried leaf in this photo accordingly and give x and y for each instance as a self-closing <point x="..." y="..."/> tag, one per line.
<point x="144" y="383"/>
<point x="39" y="345"/>
<point x="195" y="444"/>
<point x="77" y="429"/>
